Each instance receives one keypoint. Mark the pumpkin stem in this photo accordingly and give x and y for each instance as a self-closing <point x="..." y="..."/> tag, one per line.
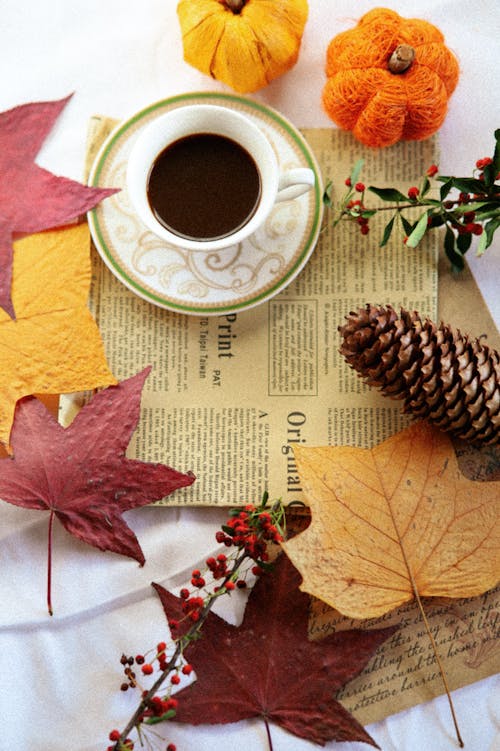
<point x="401" y="58"/>
<point x="235" y="5"/>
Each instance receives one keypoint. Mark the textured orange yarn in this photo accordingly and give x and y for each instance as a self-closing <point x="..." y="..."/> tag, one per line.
<point x="380" y="107"/>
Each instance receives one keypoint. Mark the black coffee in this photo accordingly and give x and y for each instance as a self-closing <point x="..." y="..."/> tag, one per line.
<point x="204" y="186"/>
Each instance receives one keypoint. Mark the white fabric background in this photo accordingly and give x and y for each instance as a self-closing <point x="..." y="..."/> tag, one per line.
<point x="59" y="677"/>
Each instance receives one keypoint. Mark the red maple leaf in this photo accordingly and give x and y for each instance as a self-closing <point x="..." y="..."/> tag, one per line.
<point x="268" y="668"/>
<point x="81" y="474"/>
<point x="31" y="198"/>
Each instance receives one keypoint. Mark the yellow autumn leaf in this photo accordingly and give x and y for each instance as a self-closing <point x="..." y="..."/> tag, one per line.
<point x="54" y="345"/>
<point x="393" y="522"/>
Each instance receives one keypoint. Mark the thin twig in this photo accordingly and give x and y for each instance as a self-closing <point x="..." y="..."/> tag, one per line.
<point x="182" y="642"/>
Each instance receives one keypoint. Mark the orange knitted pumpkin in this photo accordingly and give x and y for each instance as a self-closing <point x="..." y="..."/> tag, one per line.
<point x="389" y="78"/>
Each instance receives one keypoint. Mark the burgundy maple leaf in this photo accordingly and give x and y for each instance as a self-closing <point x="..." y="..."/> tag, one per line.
<point x="80" y="474"/>
<point x="31" y="198"/>
<point x="268" y="668"/>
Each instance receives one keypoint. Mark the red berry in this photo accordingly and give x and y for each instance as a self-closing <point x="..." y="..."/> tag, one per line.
<point x="359" y="187"/>
<point x="184" y="593"/>
<point x="175" y="680"/>
<point x="147" y="669"/>
<point x="477" y="229"/>
<point x="482" y="163"/>
<point x="432" y="170"/>
<point x="348" y="182"/>
<point x="114" y="735"/>
<point x="171" y="747"/>
<point x="139" y="659"/>
<point x="187" y="669"/>
<point x="230" y="586"/>
<point x="364" y="229"/>
<point x="413" y="193"/>
<point x="161" y="646"/>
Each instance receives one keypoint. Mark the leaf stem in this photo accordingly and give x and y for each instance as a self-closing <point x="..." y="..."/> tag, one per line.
<point x="439" y="663"/>
<point x="416" y="593"/>
<point x="269" y="737"/>
<point x="49" y="563"/>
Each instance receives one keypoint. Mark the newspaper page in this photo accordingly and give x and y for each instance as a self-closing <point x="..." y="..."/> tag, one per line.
<point x="229" y="396"/>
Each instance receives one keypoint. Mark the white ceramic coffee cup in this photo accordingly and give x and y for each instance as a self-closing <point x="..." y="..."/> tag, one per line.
<point x="207" y="118"/>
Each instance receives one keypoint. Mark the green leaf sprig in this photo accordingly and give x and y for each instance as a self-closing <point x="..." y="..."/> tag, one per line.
<point x="465" y="207"/>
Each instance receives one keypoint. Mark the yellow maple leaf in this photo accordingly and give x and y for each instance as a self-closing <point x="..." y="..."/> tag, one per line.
<point x="54" y="345"/>
<point x="394" y="522"/>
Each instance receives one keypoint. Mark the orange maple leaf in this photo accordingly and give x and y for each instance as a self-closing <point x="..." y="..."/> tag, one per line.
<point x="54" y="345"/>
<point x="394" y="522"/>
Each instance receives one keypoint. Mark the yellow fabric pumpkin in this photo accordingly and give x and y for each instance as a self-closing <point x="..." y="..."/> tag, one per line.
<point x="243" y="43"/>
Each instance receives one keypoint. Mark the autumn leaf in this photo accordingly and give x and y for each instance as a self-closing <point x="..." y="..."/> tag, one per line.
<point x="54" y="346"/>
<point x="80" y="474"/>
<point x="31" y="198"/>
<point x="268" y="668"/>
<point x="394" y="521"/>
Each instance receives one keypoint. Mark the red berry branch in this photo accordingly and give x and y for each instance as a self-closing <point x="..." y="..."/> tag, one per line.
<point x="465" y="207"/>
<point x="249" y="530"/>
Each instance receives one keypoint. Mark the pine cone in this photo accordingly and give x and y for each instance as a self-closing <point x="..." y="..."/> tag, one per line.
<point x="443" y="376"/>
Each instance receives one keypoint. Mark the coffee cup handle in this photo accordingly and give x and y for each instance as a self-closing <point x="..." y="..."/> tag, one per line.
<point x="294" y="183"/>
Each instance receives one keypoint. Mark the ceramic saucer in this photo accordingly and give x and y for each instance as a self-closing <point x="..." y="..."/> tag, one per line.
<point x="195" y="282"/>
